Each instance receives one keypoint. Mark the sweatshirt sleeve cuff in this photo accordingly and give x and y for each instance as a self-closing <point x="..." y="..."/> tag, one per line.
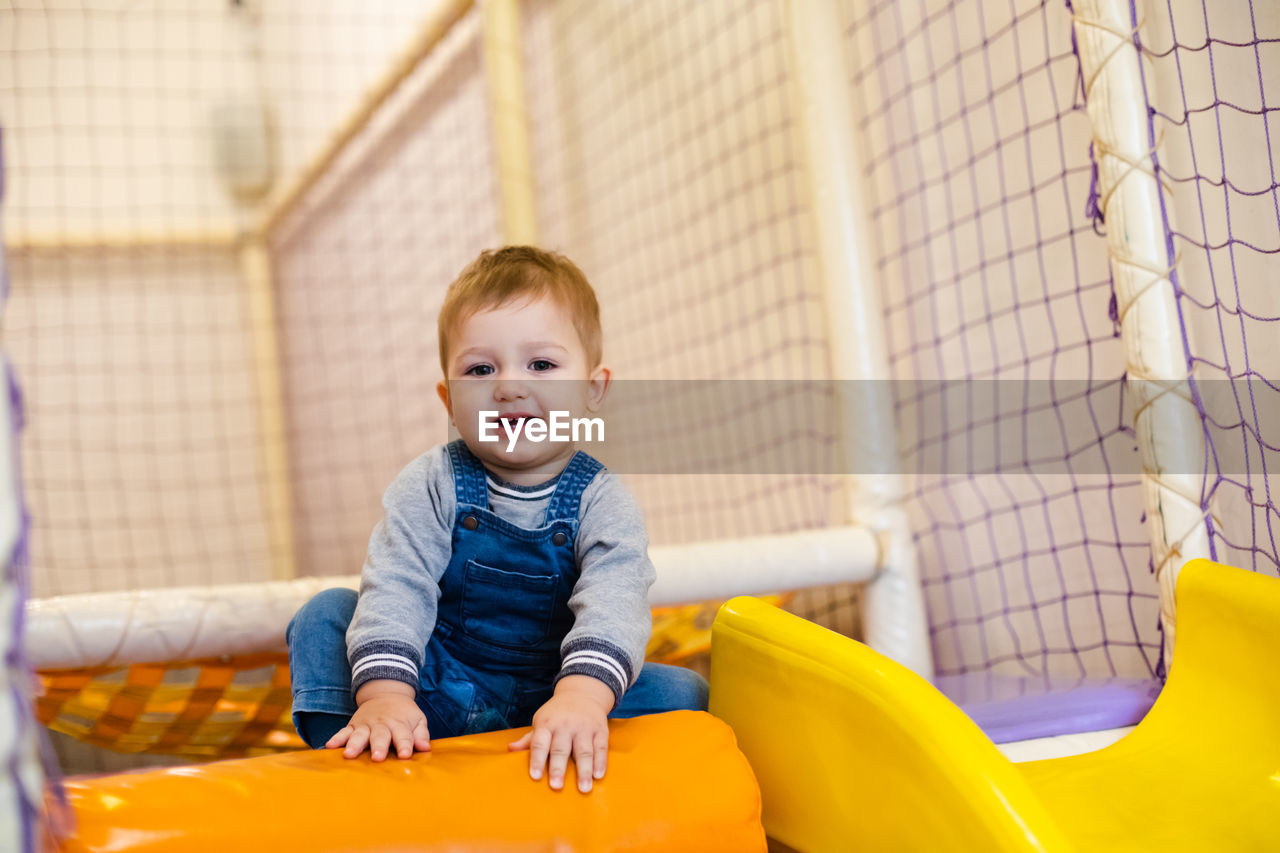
<point x="385" y="659"/>
<point x="599" y="659"/>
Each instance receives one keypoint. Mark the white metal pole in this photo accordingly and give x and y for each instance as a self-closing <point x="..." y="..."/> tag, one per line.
<point x="894" y="612"/>
<point x="1169" y="430"/>
<point x="179" y="623"/>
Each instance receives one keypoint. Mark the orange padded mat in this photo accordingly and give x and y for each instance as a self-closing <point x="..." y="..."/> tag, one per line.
<point x="675" y="782"/>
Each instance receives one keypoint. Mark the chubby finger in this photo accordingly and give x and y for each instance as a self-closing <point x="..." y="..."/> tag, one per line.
<point x="583" y="754"/>
<point x="357" y="741"/>
<point x="558" y="758"/>
<point x="401" y="738"/>
<point x="522" y="743"/>
<point x="538" y="748"/>
<point x="379" y="740"/>
<point x="600" y="753"/>
<point x="340" y="737"/>
<point x="421" y="737"/>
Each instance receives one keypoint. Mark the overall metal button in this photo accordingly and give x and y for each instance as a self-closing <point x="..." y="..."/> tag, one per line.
<point x="559" y="538"/>
<point x="470" y="522"/>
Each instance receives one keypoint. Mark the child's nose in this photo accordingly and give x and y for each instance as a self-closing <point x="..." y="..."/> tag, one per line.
<point x="507" y="388"/>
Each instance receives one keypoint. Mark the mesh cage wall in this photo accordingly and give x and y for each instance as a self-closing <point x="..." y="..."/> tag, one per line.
<point x="132" y="358"/>
<point x="667" y="165"/>
<point x="361" y="269"/>
<point x="146" y="465"/>
<point x="129" y="323"/>
<point x="1214" y="87"/>
<point x="977" y="151"/>
<point x="976" y="154"/>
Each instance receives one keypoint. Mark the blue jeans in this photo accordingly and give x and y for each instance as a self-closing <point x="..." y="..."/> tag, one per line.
<point x="321" y="676"/>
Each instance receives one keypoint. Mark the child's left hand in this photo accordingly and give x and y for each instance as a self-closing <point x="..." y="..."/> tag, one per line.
<point x="574" y="722"/>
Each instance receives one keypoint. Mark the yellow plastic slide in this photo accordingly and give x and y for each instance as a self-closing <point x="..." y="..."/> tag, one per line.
<point x="854" y="752"/>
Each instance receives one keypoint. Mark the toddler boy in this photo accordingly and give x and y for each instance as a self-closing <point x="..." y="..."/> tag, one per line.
<point x="507" y="582"/>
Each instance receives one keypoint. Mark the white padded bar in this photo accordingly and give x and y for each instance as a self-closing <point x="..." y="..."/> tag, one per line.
<point x="97" y="629"/>
<point x="710" y="570"/>
<point x="115" y="628"/>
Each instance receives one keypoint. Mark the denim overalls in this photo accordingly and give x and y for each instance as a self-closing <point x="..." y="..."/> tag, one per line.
<point x="504" y="604"/>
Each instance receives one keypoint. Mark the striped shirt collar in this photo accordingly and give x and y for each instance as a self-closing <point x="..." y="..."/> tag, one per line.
<point x="501" y="487"/>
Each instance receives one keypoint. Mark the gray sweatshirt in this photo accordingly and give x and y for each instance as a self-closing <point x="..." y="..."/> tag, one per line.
<point x="411" y="546"/>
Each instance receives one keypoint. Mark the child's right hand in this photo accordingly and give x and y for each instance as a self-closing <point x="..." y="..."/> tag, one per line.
<point x="387" y="714"/>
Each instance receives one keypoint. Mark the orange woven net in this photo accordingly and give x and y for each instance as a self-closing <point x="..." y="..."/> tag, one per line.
<point x="238" y="706"/>
<point x="683" y="631"/>
<point x="211" y="708"/>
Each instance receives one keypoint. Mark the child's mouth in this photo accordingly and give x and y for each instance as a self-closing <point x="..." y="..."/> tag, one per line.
<point x="515" y="423"/>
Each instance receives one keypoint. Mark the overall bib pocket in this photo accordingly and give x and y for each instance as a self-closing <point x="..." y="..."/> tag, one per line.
<point x="506" y="608"/>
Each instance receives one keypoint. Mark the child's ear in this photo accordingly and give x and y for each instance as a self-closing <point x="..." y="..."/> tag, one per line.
<point x="597" y="387"/>
<point x="442" y="390"/>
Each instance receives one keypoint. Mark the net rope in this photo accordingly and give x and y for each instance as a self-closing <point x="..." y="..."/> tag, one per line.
<point x="1212" y="101"/>
<point x="980" y="174"/>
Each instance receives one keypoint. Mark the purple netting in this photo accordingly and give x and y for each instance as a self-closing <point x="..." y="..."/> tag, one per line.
<point x="17" y="576"/>
<point x="668" y="164"/>
<point x="1213" y="87"/>
<point x="976" y="154"/>
<point x="978" y="157"/>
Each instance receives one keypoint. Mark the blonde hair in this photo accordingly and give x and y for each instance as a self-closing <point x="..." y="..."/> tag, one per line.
<point x="499" y="276"/>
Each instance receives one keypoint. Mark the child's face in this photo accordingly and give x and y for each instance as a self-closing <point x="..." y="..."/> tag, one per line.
<point x="524" y="360"/>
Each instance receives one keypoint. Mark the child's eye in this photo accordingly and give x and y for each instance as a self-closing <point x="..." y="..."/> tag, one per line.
<point x="479" y="370"/>
<point x="541" y="364"/>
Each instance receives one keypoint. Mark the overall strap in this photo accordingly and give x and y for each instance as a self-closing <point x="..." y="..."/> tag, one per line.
<point x="468" y="476"/>
<point x="575" y="478"/>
